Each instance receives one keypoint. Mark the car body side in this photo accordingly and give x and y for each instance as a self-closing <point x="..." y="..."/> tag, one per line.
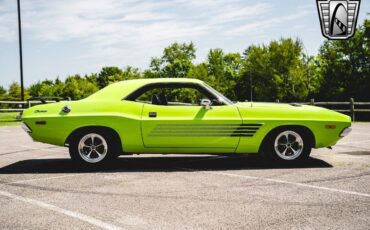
<point x="105" y="109"/>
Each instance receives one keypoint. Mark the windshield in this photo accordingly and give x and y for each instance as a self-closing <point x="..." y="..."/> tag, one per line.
<point x="220" y="97"/>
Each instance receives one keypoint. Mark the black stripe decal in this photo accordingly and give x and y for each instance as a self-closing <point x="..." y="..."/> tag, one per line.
<point x="205" y="130"/>
<point x="212" y="125"/>
<point x="201" y="135"/>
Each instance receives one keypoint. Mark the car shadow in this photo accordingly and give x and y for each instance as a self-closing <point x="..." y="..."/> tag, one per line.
<point x="156" y="164"/>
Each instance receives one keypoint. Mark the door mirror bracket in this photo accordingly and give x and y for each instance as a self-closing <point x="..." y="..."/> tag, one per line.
<point x="206" y="103"/>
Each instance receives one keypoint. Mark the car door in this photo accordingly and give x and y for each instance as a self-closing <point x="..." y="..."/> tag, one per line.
<point x="180" y="122"/>
<point x="191" y="126"/>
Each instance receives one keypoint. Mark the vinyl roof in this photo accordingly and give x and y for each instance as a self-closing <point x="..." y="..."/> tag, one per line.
<point x="121" y="89"/>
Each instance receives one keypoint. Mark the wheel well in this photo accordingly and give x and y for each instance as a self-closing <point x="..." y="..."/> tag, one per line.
<point x="104" y="129"/>
<point x="301" y="128"/>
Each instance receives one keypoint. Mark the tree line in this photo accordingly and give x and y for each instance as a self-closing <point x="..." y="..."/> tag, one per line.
<point x="279" y="70"/>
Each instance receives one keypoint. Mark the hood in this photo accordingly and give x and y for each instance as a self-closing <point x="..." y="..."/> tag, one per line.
<point x="291" y="111"/>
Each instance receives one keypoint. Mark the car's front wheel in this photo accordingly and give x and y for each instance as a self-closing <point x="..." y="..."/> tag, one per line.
<point x="289" y="145"/>
<point x="92" y="148"/>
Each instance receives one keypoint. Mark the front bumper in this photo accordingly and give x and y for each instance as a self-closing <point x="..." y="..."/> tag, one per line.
<point x="345" y="132"/>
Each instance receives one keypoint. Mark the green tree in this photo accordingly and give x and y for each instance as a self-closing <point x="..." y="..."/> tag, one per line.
<point x="77" y="87"/>
<point x="277" y="71"/>
<point x="47" y="88"/>
<point x="314" y="77"/>
<point x="34" y="89"/>
<point x="14" y="92"/>
<point x="176" y="61"/>
<point x="93" y="78"/>
<point x="2" y="92"/>
<point x="58" y="89"/>
<point x="109" y="75"/>
<point x="345" y="67"/>
<point x="200" y="71"/>
<point x="223" y="69"/>
<point x="130" y="72"/>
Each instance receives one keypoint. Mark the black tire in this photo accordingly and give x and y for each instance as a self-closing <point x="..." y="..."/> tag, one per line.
<point x="102" y="139"/>
<point x="297" y="148"/>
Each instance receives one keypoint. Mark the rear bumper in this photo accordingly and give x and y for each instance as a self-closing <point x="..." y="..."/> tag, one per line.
<point x="26" y="128"/>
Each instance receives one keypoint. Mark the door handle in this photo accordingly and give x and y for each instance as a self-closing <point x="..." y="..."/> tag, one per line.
<point x="152" y="114"/>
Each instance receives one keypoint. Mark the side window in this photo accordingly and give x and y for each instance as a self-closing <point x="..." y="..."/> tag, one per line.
<point x="186" y="96"/>
<point x="183" y="96"/>
<point x="146" y="97"/>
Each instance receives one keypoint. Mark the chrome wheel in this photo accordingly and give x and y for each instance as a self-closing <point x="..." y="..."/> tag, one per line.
<point x="288" y="145"/>
<point x="92" y="148"/>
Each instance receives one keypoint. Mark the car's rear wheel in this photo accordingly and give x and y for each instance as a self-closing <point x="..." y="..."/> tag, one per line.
<point x="288" y="145"/>
<point x="93" y="148"/>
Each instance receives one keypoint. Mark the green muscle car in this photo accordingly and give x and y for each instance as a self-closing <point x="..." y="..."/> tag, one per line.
<point x="181" y="115"/>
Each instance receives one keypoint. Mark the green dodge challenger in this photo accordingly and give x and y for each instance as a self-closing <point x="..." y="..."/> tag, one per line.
<point x="181" y="115"/>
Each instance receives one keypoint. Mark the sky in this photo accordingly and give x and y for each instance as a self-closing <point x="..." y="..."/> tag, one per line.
<point x="62" y="38"/>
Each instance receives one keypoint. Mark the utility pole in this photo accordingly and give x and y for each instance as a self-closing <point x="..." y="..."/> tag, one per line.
<point x="20" y="48"/>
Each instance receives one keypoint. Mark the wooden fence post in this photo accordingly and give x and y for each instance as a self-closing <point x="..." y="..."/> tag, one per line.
<point x="312" y="101"/>
<point x="352" y="108"/>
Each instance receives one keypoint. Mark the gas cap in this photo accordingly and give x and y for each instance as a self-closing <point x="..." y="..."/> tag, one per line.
<point x="66" y="109"/>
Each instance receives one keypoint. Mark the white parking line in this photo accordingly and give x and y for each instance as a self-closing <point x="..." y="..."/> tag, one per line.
<point x="284" y="182"/>
<point x="76" y="215"/>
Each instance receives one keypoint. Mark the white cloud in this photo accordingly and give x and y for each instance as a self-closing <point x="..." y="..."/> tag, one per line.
<point x="111" y="26"/>
<point x="235" y="12"/>
<point x="8" y="22"/>
<point x="260" y="27"/>
<point x="104" y="23"/>
<point x="63" y="20"/>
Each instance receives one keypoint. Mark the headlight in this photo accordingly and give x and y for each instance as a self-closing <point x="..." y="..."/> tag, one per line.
<point x="26" y="128"/>
<point x="345" y="132"/>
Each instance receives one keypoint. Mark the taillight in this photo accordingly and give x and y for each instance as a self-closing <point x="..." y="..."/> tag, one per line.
<point x="330" y="126"/>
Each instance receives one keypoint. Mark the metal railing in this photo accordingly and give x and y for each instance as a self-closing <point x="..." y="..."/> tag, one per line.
<point x="352" y="106"/>
<point x="19" y="106"/>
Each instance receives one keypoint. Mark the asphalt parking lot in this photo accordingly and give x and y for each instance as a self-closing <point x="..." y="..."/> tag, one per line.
<point x="41" y="189"/>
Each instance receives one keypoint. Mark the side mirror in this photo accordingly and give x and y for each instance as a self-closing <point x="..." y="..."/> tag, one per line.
<point x="206" y="103"/>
